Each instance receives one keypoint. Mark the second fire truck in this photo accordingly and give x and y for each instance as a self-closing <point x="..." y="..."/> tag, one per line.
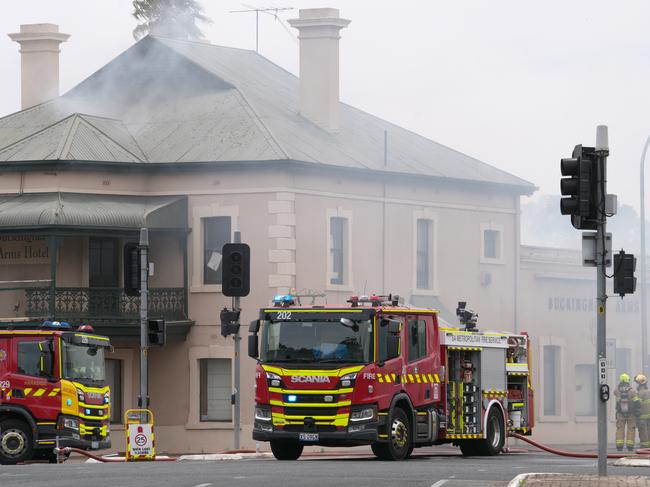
<point x="377" y="373"/>
<point x="53" y="390"/>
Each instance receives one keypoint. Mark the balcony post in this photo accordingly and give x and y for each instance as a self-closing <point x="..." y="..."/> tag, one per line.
<point x="52" y="246"/>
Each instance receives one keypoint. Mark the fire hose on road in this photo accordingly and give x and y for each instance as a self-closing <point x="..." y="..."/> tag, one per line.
<point x="64" y="452"/>
<point x="640" y="451"/>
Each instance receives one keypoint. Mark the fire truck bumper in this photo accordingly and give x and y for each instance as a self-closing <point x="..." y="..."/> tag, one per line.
<point x="86" y="444"/>
<point x="360" y="435"/>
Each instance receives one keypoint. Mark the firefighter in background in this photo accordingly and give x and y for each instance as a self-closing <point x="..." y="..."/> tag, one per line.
<point x="626" y="410"/>
<point x="643" y="417"/>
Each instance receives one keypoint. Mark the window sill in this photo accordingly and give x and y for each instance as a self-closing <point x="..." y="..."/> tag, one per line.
<point x="424" y="292"/>
<point x="210" y="425"/>
<point x="206" y="288"/>
<point x="586" y="419"/>
<point x="339" y="288"/>
<point x="553" y="419"/>
<point x="485" y="260"/>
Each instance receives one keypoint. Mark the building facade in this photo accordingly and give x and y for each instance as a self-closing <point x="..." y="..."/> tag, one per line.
<point x="196" y="142"/>
<point x="558" y="308"/>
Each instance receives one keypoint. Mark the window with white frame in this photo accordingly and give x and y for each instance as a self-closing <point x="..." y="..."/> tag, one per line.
<point x="491" y="243"/>
<point x="216" y="233"/>
<point x="552" y="384"/>
<point x="585" y="395"/>
<point x="338" y="250"/>
<point x="215" y="389"/>
<point x="424" y="254"/>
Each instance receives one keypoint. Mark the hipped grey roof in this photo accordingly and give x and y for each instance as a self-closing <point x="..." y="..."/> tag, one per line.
<point x="173" y="101"/>
<point x="91" y="211"/>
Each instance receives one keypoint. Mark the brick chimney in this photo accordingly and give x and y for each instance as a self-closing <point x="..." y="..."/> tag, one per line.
<point x="39" y="56"/>
<point x="319" y="34"/>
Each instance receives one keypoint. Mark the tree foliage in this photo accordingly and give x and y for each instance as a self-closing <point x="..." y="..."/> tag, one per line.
<point x="168" y="18"/>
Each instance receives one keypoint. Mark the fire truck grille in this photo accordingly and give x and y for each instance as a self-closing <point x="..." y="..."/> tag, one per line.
<point x="313" y="398"/>
<point x="320" y="428"/>
<point x="310" y="412"/>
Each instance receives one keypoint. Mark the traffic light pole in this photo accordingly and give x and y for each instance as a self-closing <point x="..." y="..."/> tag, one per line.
<point x="237" y="371"/>
<point x="143" y="399"/>
<point x="602" y="151"/>
<point x="644" y="288"/>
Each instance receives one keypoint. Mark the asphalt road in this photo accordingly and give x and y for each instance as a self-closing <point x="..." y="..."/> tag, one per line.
<point x="446" y="468"/>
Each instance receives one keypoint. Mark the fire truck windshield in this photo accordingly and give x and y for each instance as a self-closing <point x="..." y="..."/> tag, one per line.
<point x="336" y="341"/>
<point x="82" y="362"/>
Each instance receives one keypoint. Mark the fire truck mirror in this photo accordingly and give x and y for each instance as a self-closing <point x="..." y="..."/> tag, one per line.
<point x="253" y="346"/>
<point x="46" y="361"/>
<point x="254" y="326"/>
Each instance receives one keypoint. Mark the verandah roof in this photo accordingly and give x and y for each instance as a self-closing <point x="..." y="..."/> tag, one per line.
<point x="58" y="210"/>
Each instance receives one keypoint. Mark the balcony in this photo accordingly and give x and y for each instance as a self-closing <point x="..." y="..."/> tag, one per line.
<point x="108" y="310"/>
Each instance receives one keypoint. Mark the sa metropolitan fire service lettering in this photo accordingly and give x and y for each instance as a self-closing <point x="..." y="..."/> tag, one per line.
<point x="319" y="379"/>
<point x="498" y="341"/>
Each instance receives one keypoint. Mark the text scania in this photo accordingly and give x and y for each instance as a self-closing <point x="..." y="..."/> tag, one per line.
<point x="319" y="379"/>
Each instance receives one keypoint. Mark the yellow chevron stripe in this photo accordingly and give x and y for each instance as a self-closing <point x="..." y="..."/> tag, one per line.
<point x="410" y="376"/>
<point x="380" y="378"/>
<point x="54" y="392"/>
<point x="437" y="378"/>
<point x="394" y="377"/>
<point x="27" y="390"/>
<point x="387" y="378"/>
<point x="417" y="378"/>
<point x="39" y="393"/>
<point x="424" y="378"/>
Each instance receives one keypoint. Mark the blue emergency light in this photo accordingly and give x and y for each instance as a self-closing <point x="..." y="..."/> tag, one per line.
<point x="292" y="398"/>
<point x="283" y="300"/>
<point x="56" y="325"/>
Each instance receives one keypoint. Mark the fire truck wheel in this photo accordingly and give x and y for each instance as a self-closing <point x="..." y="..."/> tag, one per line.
<point x="496" y="437"/>
<point x="15" y="442"/>
<point x="399" y="446"/>
<point x="286" y="450"/>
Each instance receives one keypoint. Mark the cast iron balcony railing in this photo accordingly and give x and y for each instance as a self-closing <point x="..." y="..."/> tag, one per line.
<point x="103" y="304"/>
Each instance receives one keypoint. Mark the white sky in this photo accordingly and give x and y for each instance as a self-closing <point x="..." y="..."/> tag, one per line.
<point x="514" y="83"/>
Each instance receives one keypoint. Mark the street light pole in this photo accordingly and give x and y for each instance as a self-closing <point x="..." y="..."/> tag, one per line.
<point x="644" y="307"/>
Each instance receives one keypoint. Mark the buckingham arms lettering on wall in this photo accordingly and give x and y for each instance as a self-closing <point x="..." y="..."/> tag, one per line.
<point x="20" y="250"/>
<point x="587" y="305"/>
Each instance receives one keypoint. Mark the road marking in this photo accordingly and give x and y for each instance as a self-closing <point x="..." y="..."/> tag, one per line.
<point x="440" y="483"/>
<point x="202" y="485"/>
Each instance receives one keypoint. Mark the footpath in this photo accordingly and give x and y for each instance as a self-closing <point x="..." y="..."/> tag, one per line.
<point x="569" y="480"/>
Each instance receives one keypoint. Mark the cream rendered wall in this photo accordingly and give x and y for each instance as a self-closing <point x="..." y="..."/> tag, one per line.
<point x="551" y="279"/>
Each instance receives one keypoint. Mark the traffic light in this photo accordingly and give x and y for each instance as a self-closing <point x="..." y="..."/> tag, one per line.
<point x="132" y="269"/>
<point x="229" y="322"/>
<point x="624" y="267"/>
<point x="579" y="184"/>
<point x="235" y="268"/>
<point x="157" y="331"/>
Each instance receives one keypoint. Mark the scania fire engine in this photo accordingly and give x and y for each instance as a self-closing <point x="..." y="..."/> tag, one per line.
<point x="52" y="389"/>
<point x="375" y="372"/>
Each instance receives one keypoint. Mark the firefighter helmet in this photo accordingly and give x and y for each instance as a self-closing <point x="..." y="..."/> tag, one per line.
<point x="640" y="379"/>
<point x="624" y="378"/>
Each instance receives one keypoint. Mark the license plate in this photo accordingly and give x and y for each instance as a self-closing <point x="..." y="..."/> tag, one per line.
<point x="308" y="436"/>
<point x="94" y="444"/>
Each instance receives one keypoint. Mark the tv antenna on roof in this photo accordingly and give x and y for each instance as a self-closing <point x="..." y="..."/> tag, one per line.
<point x="272" y="11"/>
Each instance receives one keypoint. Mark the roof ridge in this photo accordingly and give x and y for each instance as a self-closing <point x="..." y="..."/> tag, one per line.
<point x="38" y="132"/>
<point x="257" y="119"/>
<point x="115" y="141"/>
<point x="66" y="140"/>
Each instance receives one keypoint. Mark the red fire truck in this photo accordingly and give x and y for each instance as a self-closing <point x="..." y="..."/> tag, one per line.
<point x="375" y="372"/>
<point x="52" y="385"/>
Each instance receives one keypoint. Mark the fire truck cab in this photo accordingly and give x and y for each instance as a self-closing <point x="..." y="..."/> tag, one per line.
<point x="376" y="373"/>
<point x="52" y="388"/>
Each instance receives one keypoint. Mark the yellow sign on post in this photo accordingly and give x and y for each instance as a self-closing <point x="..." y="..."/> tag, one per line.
<point x="140" y="441"/>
